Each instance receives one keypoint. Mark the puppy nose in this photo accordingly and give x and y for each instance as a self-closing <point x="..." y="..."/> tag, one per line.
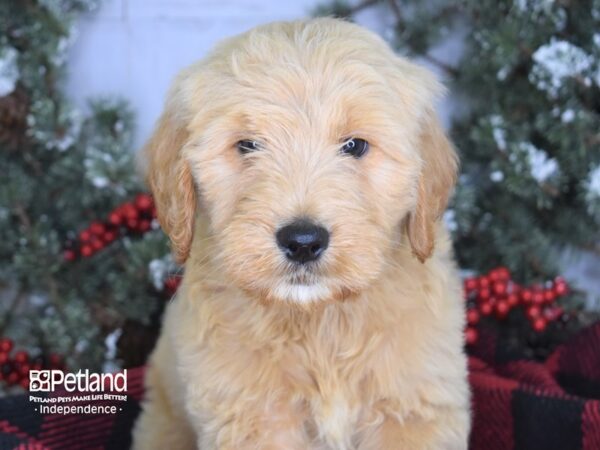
<point x="302" y="241"/>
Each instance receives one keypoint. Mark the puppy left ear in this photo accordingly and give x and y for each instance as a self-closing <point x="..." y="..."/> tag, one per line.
<point x="437" y="178"/>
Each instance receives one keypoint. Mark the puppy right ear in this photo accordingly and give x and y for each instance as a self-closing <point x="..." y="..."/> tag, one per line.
<point x="171" y="182"/>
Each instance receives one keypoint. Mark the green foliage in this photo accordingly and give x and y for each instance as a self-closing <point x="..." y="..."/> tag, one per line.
<point x="68" y="169"/>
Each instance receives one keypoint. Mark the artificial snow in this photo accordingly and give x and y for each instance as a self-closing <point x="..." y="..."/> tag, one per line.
<point x="111" y="341"/>
<point x="498" y="131"/>
<point x="64" y="43"/>
<point x="159" y="269"/>
<point x="9" y="70"/>
<point x="100" y="182"/>
<point x="497" y="176"/>
<point x="567" y="116"/>
<point x="449" y="219"/>
<point x="541" y="166"/>
<point x="556" y="61"/>
<point x="503" y="73"/>
<point x="64" y="143"/>
<point x="593" y="183"/>
<point x="534" y="5"/>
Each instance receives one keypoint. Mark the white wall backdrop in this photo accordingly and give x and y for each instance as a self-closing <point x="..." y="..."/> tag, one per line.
<point x="134" y="48"/>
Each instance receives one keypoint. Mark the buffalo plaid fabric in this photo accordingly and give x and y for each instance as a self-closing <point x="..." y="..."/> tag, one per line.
<point x="517" y="405"/>
<point x="23" y="428"/>
<point x="522" y="404"/>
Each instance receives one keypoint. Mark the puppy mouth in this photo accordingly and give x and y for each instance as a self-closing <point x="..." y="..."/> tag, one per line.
<point x="304" y="275"/>
<point x="301" y="279"/>
<point x="301" y="293"/>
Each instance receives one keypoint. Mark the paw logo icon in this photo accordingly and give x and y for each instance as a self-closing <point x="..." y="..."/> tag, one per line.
<point x="39" y="380"/>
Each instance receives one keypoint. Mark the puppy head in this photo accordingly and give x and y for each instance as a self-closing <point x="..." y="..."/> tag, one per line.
<point x="312" y="150"/>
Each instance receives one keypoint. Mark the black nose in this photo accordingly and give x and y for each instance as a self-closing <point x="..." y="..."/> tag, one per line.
<point x="302" y="241"/>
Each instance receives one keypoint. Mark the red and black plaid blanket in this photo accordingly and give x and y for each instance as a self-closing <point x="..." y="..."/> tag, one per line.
<point x="517" y="404"/>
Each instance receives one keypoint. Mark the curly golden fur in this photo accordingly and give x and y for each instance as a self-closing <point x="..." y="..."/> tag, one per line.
<point x="364" y="350"/>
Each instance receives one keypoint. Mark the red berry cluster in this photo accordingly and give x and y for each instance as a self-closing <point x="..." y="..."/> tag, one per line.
<point x="496" y="295"/>
<point x="15" y="366"/>
<point x="171" y="284"/>
<point x="128" y="218"/>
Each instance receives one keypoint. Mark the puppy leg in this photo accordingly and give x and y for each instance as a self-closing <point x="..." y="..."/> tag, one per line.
<point x="159" y="425"/>
<point x="448" y="431"/>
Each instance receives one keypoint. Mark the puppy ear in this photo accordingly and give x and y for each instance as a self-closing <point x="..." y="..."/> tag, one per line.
<point x="171" y="182"/>
<point x="437" y="178"/>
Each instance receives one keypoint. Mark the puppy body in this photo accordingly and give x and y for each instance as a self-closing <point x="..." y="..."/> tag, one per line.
<point x="364" y="349"/>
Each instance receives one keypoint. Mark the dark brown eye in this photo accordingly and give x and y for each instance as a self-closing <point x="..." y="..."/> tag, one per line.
<point x="355" y="147"/>
<point x="246" y="146"/>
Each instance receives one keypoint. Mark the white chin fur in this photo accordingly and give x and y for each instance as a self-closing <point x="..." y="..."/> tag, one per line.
<point x="301" y="293"/>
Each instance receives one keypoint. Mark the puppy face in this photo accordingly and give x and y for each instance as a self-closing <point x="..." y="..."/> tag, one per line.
<point x="312" y="150"/>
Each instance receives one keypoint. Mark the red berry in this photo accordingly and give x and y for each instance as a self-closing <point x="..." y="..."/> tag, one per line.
<point x="526" y="295"/>
<point x="144" y="225"/>
<point x="472" y="316"/>
<point x="471" y="336"/>
<point x="499" y="288"/>
<point x="69" y="255"/>
<point x="129" y="212"/>
<point x="470" y="284"/>
<point x="538" y="297"/>
<point x="514" y="288"/>
<point x="486" y="309"/>
<point x="484" y="282"/>
<point x="24" y="369"/>
<point x="97" y="244"/>
<point x="21" y="357"/>
<point x="560" y="288"/>
<point x="512" y="300"/>
<point x="12" y="378"/>
<point x="6" y="345"/>
<point x="549" y="296"/>
<point x="85" y="236"/>
<point x="493" y="276"/>
<point x="484" y="294"/>
<point x="502" y="309"/>
<point x="171" y="285"/>
<point x="533" y="312"/>
<point x="540" y="324"/>
<point x="25" y="383"/>
<point x="115" y="218"/>
<point x="109" y="236"/>
<point x="143" y="202"/>
<point x="55" y="360"/>
<point x="132" y="224"/>
<point x="97" y="228"/>
<point x="553" y="313"/>
<point x="502" y="273"/>
<point x="86" y="251"/>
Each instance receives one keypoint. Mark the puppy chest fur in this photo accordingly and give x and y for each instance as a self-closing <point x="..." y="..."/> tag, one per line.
<point x="301" y="172"/>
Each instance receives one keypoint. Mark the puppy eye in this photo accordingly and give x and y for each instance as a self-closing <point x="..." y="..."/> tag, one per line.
<point x="355" y="147"/>
<point x="247" y="146"/>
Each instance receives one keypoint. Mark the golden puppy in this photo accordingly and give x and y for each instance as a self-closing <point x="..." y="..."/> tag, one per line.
<point x="300" y="172"/>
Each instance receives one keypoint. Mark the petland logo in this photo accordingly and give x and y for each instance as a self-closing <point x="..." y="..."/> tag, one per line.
<point x="82" y="381"/>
